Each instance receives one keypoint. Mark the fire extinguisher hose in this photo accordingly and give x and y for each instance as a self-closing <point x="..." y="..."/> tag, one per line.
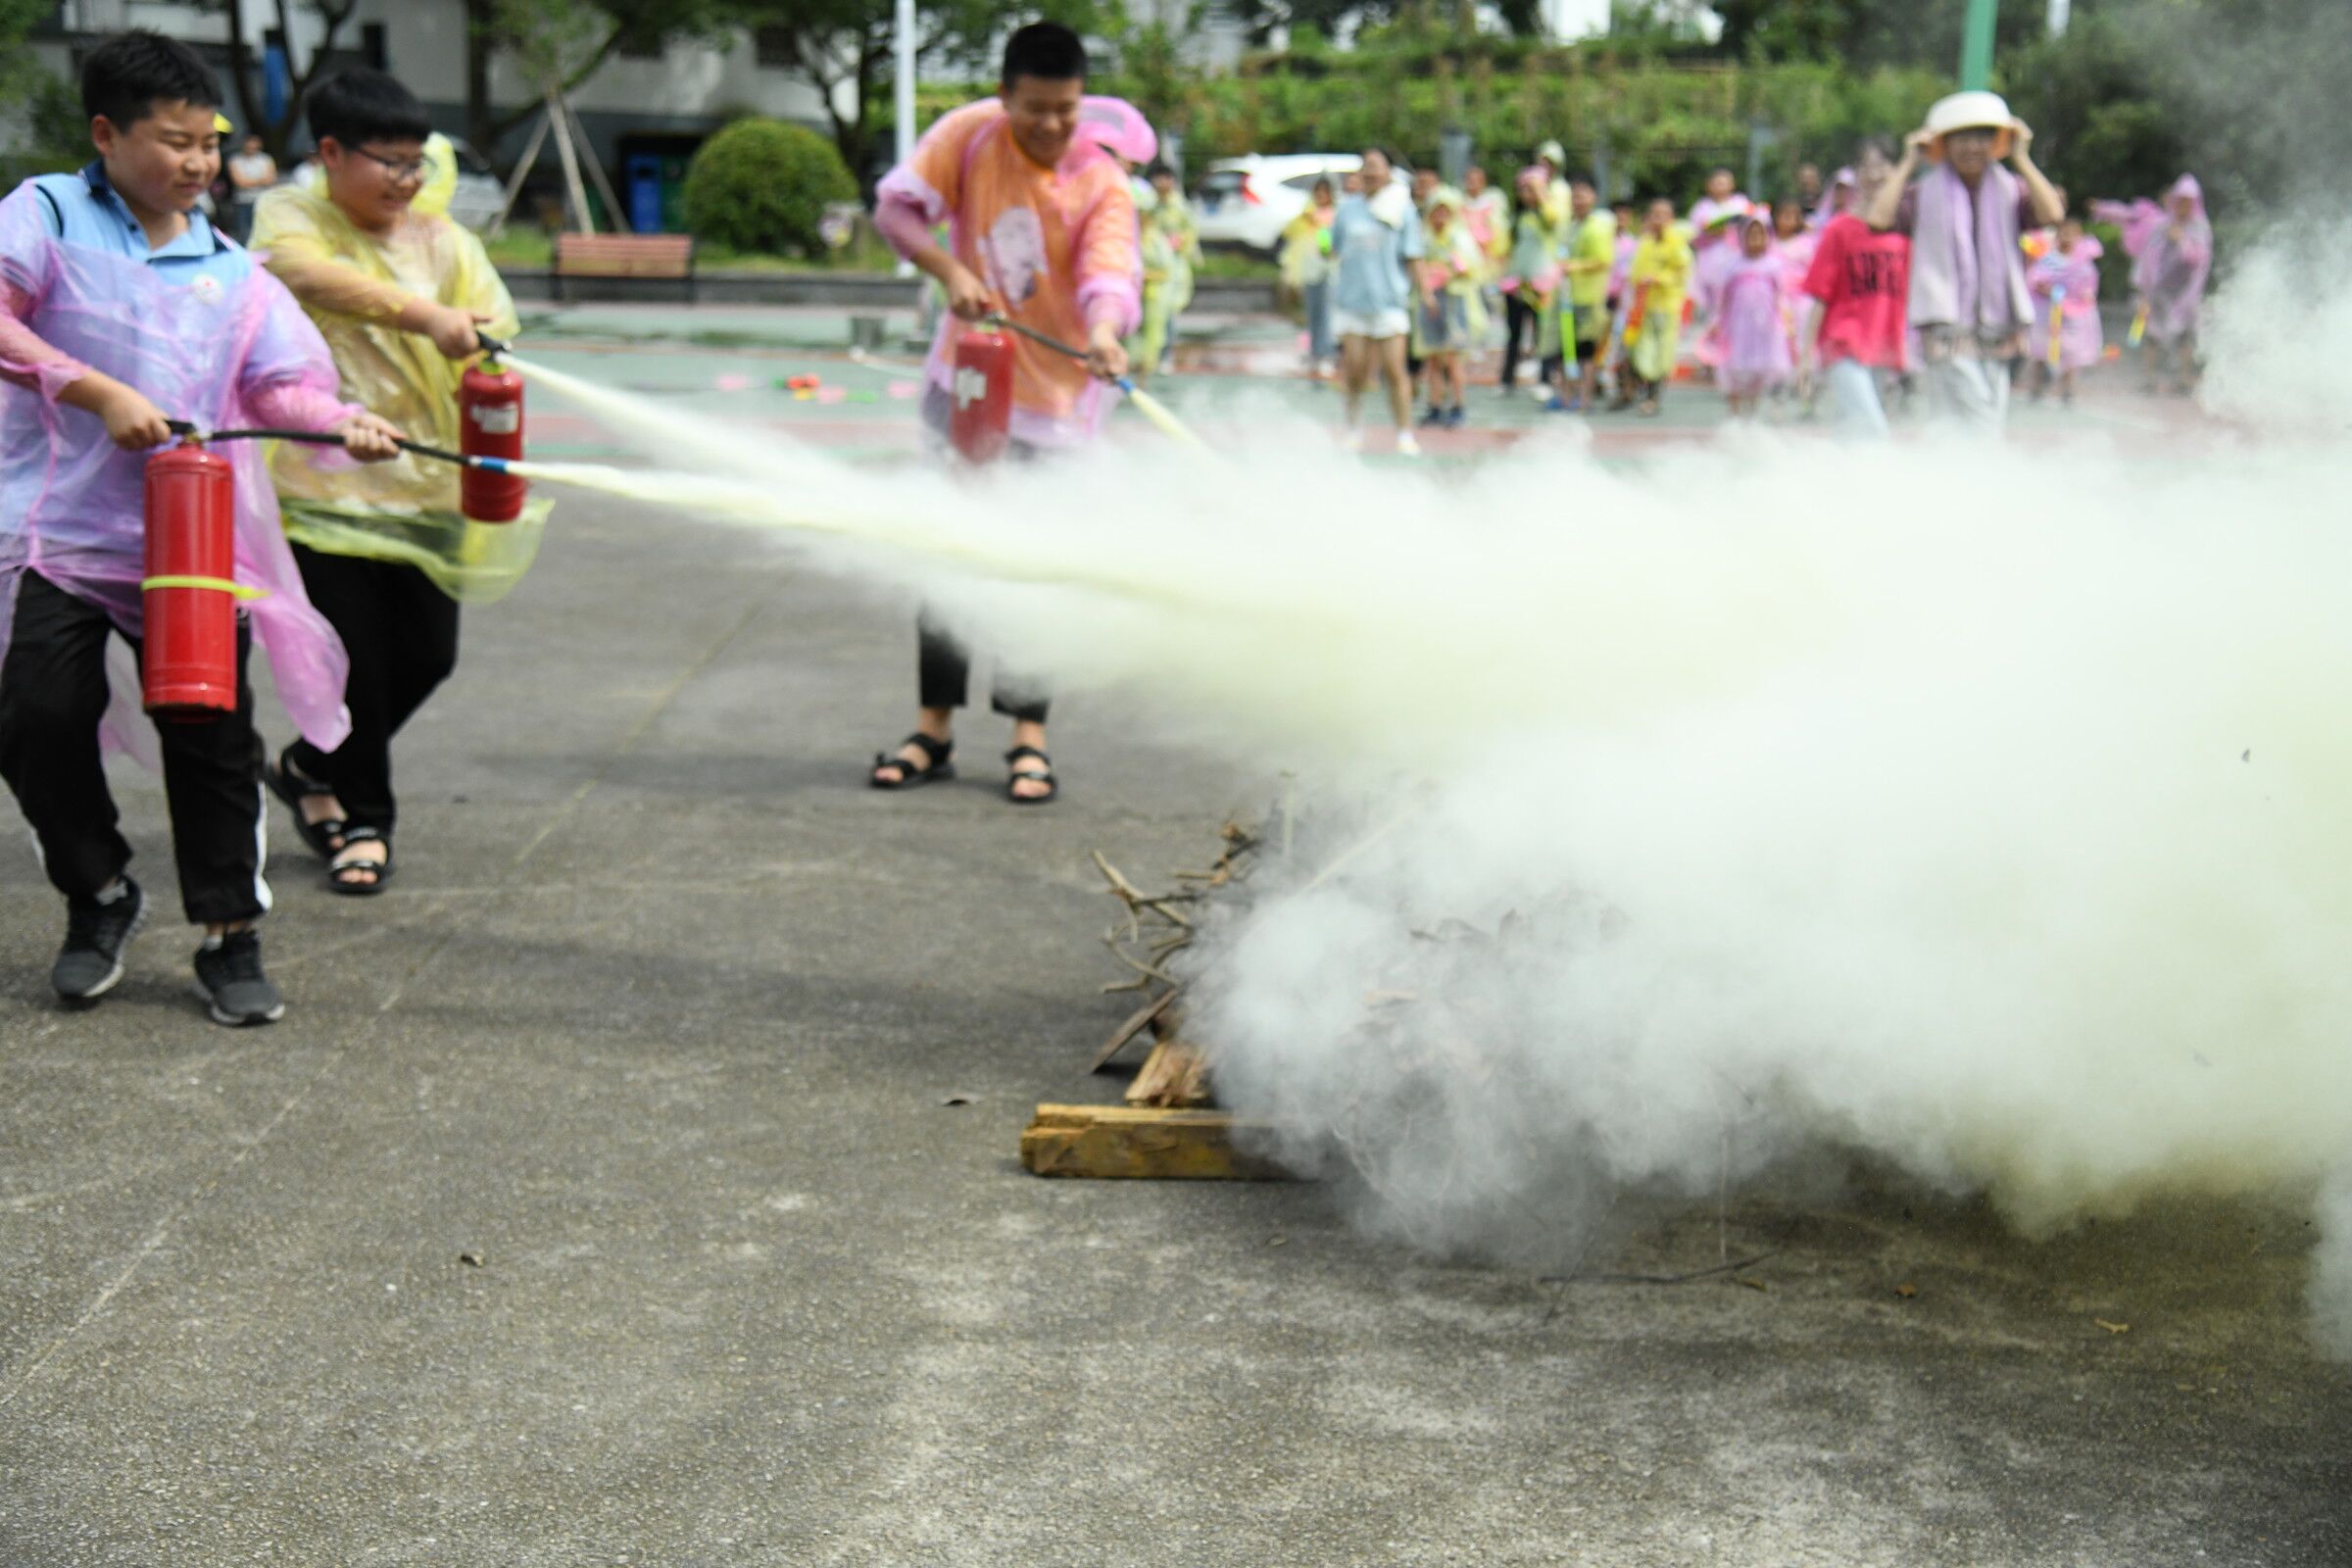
<point x="319" y="438"/>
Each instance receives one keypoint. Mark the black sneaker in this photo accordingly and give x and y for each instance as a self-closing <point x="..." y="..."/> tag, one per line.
<point x="228" y="977"/>
<point x="91" y="960"/>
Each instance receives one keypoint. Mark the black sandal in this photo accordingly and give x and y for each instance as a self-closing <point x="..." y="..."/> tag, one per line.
<point x="321" y="836"/>
<point x="1021" y="754"/>
<point x="937" y="767"/>
<point x="341" y="871"/>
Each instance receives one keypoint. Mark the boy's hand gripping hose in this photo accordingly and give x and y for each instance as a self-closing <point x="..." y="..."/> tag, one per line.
<point x="1150" y="407"/>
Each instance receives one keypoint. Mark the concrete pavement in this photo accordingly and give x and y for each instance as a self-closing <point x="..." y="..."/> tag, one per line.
<point x="634" y="1182"/>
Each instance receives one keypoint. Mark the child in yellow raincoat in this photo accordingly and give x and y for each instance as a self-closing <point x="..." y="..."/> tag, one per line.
<point x="401" y="297"/>
<point x="1307" y="267"/>
<point x="1171" y="250"/>
<point x="1661" y="283"/>
<point x="1453" y="316"/>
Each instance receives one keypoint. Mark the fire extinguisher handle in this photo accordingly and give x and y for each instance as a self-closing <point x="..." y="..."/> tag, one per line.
<point x="492" y="346"/>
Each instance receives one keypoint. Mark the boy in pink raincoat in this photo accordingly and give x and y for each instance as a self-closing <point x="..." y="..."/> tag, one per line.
<point x="1042" y="228"/>
<point x="119" y="308"/>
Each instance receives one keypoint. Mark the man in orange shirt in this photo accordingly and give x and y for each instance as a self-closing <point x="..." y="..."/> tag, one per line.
<point x="1042" y="229"/>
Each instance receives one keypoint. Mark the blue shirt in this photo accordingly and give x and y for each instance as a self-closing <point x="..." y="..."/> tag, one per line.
<point x="86" y="210"/>
<point x="1368" y="259"/>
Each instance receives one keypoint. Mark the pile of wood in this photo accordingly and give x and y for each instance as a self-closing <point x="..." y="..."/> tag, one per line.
<point x="1164" y="1130"/>
<point x="1152" y="930"/>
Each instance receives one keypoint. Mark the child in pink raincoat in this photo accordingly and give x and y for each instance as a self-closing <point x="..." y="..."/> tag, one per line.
<point x="1753" y="319"/>
<point x="2170" y="246"/>
<point x="2065" y="283"/>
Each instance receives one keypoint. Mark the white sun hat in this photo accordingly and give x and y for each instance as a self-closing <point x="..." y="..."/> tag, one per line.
<point x="1972" y="110"/>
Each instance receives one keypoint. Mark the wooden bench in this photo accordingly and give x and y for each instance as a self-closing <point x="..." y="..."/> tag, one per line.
<point x="654" y="255"/>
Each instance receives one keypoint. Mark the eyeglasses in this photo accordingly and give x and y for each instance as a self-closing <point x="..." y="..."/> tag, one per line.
<point x="400" y="169"/>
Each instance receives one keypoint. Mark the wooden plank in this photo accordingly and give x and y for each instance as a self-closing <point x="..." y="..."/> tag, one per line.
<point x="1127" y="1143"/>
<point x="1175" y="1074"/>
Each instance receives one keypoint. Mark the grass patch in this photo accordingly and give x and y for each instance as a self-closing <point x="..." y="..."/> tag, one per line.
<point x="1236" y="262"/>
<point x="526" y="246"/>
<point x="520" y="245"/>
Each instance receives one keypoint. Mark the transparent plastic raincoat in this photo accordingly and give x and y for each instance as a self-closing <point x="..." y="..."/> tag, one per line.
<point x="221" y="354"/>
<point x="354" y="285"/>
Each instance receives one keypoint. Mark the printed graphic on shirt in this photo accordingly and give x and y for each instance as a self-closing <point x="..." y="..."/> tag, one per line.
<point x="1014" y="251"/>
<point x="1875" y="272"/>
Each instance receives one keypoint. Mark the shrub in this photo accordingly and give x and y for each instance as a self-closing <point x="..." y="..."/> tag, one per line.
<point x="763" y="185"/>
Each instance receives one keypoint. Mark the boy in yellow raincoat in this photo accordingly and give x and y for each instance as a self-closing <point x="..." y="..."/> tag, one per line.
<point x="401" y="296"/>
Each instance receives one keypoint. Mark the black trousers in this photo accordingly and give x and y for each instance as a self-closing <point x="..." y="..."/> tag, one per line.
<point x="1520" y="319"/>
<point x="944" y="672"/>
<point x="53" y="692"/>
<point x="402" y="635"/>
<point x="943" y="669"/>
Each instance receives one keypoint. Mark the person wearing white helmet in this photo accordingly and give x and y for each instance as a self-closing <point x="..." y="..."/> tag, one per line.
<point x="1969" y="300"/>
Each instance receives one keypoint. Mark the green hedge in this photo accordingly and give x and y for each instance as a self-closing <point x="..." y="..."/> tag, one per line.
<point x="763" y="185"/>
<point x="1663" y="122"/>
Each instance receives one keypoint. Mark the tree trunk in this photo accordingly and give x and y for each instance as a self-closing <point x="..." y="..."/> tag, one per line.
<point x="502" y="125"/>
<point x="481" y="42"/>
<point x="240" y="77"/>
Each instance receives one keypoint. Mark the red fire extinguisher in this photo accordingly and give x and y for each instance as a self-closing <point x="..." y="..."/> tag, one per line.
<point x="980" y="414"/>
<point x="189" y="652"/>
<point x="490" y="426"/>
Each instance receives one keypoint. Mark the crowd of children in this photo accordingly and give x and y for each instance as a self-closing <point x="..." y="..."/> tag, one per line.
<point x="1771" y="301"/>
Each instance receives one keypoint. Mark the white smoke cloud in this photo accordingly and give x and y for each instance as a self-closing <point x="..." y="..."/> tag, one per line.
<point x="1982" y="808"/>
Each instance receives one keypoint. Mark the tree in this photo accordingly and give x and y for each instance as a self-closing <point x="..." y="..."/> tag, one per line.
<point x="560" y="45"/>
<point x="245" y="72"/>
<point x="844" y="48"/>
<point x="46" y="106"/>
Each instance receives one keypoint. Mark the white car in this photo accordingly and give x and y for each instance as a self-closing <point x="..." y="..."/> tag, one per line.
<point x="480" y="197"/>
<point x="1250" y="201"/>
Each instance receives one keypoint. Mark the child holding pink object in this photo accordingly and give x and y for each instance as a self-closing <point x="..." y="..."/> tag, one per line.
<point x="1754" y="322"/>
<point x="2065" y="283"/>
<point x="2170" y="246"/>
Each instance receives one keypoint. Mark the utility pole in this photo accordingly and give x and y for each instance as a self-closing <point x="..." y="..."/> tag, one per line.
<point x="2061" y="12"/>
<point x="1975" y="48"/>
<point x="903" y="97"/>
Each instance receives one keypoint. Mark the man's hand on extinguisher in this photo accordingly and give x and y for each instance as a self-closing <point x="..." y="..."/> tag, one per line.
<point x="968" y="296"/>
<point x="369" y="437"/>
<point x="1106" y="354"/>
